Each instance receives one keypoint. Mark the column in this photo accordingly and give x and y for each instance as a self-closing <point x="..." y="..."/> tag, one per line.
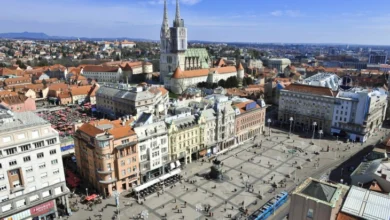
<point x="55" y="208"/>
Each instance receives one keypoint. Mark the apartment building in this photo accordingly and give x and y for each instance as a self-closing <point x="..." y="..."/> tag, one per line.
<point x="250" y="120"/>
<point x="152" y="147"/>
<point x="184" y="138"/>
<point x="107" y="155"/>
<point x="118" y="100"/>
<point x="31" y="170"/>
<point x="307" y="104"/>
<point x="359" y="112"/>
<point x="102" y="73"/>
<point x="224" y="122"/>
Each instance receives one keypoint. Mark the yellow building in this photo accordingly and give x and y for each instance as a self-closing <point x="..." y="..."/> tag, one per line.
<point x="184" y="139"/>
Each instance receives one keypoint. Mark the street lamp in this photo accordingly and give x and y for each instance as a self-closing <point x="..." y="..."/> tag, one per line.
<point x="314" y="129"/>
<point x="86" y="189"/>
<point x="291" y="120"/>
<point x="320" y="132"/>
<point x="269" y="126"/>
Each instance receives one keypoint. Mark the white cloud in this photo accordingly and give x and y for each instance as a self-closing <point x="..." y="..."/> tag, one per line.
<point x="277" y="13"/>
<point x="288" y="13"/>
<point x="293" y="13"/>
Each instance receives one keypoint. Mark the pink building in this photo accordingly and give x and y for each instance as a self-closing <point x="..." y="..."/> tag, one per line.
<point x="18" y="103"/>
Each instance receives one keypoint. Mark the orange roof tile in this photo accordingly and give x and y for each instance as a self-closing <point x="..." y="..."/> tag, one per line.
<point x="6" y="93"/>
<point x="202" y="72"/>
<point x="90" y="130"/>
<point x="58" y="86"/>
<point x="81" y="90"/>
<point x="100" y="69"/>
<point x="122" y="132"/>
<point x="311" y="89"/>
<point x="241" y="106"/>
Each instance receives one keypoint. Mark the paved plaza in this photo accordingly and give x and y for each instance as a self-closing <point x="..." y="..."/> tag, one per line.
<point x="275" y="159"/>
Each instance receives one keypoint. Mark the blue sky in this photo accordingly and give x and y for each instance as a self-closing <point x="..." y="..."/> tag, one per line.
<point x="276" y="21"/>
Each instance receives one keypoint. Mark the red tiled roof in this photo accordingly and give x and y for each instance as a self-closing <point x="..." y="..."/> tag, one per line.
<point x="311" y="89"/>
<point x="100" y="69"/>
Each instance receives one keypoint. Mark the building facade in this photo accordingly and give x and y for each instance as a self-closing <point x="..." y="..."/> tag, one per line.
<point x="318" y="200"/>
<point x="359" y="112"/>
<point x="102" y="73"/>
<point x="250" y="121"/>
<point x="152" y="147"/>
<point x="32" y="174"/>
<point x="107" y="155"/>
<point x="224" y="122"/>
<point x="307" y="104"/>
<point x="115" y="101"/>
<point x="184" y="139"/>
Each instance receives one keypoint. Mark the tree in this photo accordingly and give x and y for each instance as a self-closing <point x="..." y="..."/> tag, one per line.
<point x="222" y="83"/>
<point x="21" y="64"/>
<point x="248" y="80"/>
<point x="214" y="85"/>
<point x="231" y="82"/>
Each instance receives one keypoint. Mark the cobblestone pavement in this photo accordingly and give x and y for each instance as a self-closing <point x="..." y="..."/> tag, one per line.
<point x="260" y="167"/>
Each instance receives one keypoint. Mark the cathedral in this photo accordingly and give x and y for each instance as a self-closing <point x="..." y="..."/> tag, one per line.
<point x="182" y="67"/>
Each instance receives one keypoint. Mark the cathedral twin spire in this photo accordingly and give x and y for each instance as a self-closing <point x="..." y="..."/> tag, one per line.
<point x="165" y="25"/>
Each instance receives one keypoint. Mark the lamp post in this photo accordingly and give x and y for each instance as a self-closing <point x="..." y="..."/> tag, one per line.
<point x="116" y="193"/>
<point x="320" y="132"/>
<point x="314" y="130"/>
<point x="269" y="126"/>
<point x="291" y="121"/>
<point x="86" y="189"/>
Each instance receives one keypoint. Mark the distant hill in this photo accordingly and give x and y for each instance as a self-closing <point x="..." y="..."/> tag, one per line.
<point x="43" y="36"/>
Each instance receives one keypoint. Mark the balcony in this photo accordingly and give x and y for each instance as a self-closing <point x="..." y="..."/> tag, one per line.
<point x="105" y="171"/>
<point x="108" y="181"/>
<point x="17" y="189"/>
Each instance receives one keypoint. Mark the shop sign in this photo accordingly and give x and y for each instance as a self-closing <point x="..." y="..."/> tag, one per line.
<point x="42" y="208"/>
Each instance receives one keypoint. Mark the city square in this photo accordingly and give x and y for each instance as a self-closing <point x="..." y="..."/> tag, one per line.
<point x="276" y="158"/>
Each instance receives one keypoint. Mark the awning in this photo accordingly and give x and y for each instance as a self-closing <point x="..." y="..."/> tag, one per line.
<point x="172" y="173"/>
<point x="178" y="163"/>
<point x="333" y="130"/>
<point x="146" y="185"/>
<point x="172" y="165"/>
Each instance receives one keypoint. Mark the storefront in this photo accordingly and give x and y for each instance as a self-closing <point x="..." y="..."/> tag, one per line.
<point x="44" y="211"/>
<point x="202" y="153"/>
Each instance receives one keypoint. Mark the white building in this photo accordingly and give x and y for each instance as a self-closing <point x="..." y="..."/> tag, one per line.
<point x="102" y="73"/>
<point x="279" y="64"/>
<point x="152" y="147"/>
<point x="359" y="112"/>
<point x="32" y="174"/>
<point x="118" y="100"/>
<point x="329" y="80"/>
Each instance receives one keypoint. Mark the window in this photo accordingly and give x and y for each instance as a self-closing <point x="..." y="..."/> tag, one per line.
<point x="45" y="184"/>
<point x="30" y="179"/>
<point x="53" y="152"/>
<point x="3" y="188"/>
<point x="54" y="161"/>
<point x="134" y="159"/>
<point x="125" y="141"/>
<point x="40" y="155"/>
<point x="12" y="162"/>
<point x="310" y="213"/>
<point x="4" y="198"/>
<point x="34" y="134"/>
<point x="11" y="151"/>
<point x="42" y="165"/>
<point x="29" y="169"/>
<point x="25" y="147"/>
<point x="31" y="189"/>
<point x="56" y="171"/>
<point x="134" y="168"/>
<point x="129" y="161"/>
<point x="6" y="139"/>
<point x="27" y="159"/>
<point x="43" y="175"/>
<point x="129" y="170"/>
<point x="51" y="141"/>
<point x="21" y="136"/>
<point x="122" y="162"/>
<point x="39" y="144"/>
<point x="2" y="177"/>
<point x="143" y="157"/>
<point x="123" y="172"/>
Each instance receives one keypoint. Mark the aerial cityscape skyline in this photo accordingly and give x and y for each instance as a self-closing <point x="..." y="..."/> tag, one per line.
<point x="252" y="21"/>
